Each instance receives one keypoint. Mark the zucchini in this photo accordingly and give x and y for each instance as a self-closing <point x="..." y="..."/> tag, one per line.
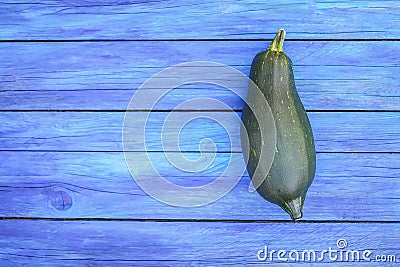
<point x="292" y="171"/>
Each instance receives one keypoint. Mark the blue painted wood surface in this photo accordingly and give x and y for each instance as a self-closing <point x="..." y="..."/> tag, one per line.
<point x="103" y="76"/>
<point x="101" y="131"/>
<point x="186" y="244"/>
<point x="68" y="70"/>
<point x="138" y="20"/>
<point x="99" y="185"/>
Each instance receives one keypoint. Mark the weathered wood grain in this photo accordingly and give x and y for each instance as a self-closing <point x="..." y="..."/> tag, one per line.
<point x="138" y="20"/>
<point x="98" y="185"/>
<point x="105" y="75"/>
<point x="102" y="131"/>
<point x="122" y="47"/>
<point x="67" y="243"/>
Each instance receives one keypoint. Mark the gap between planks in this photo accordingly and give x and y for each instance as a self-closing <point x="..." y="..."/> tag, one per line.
<point x="193" y="40"/>
<point x="192" y="110"/>
<point x="194" y="220"/>
<point x="183" y="151"/>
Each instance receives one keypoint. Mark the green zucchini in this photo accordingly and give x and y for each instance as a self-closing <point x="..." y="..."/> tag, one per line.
<point x="292" y="171"/>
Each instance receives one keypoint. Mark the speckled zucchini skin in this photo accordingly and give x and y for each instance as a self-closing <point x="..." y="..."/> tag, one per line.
<point x="294" y="163"/>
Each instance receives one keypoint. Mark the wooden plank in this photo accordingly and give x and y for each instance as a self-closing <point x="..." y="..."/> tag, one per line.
<point x="98" y="185"/>
<point x="67" y="243"/>
<point x="71" y="19"/>
<point x="102" y="131"/>
<point x="105" y="75"/>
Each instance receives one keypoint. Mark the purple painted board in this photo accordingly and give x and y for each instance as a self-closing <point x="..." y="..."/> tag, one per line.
<point x="347" y="186"/>
<point x="105" y="75"/>
<point x="144" y="20"/>
<point x="121" y="243"/>
<point x="102" y="131"/>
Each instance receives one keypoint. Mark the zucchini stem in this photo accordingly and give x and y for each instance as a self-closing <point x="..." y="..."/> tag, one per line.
<point x="277" y="43"/>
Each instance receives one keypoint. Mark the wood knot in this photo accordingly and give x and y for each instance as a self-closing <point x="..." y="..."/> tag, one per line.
<point x="59" y="199"/>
